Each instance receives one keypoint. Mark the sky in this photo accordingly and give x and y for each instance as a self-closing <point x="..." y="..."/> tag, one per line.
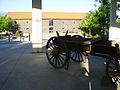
<point x="48" y="5"/>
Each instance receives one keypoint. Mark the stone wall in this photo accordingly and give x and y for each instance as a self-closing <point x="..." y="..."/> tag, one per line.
<point x="58" y="25"/>
<point x="61" y="25"/>
<point x="25" y="25"/>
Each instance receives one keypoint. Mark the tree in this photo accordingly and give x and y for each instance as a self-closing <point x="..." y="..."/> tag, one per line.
<point x="105" y="2"/>
<point x="1" y="23"/>
<point x="97" y="22"/>
<point x="19" y="34"/>
<point x="6" y="24"/>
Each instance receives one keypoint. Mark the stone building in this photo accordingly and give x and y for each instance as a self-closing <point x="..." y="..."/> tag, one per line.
<point x="51" y="21"/>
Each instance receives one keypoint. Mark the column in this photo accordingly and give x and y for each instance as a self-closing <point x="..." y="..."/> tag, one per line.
<point x="112" y="12"/>
<point x="36" y="26"/>
<point x="114" y="30"/>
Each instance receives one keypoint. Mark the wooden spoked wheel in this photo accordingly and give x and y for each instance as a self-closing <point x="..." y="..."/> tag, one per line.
<point x="76" y="56"/>
<point x="113" y="69"/>
<point x="56" y="52"/>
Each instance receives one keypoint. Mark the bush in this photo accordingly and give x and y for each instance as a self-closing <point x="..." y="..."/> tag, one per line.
<point x="118" y="20"/>
<point x="2" y="36"/>
<point x="19" y="33"/>
<point x="96" y="36"/>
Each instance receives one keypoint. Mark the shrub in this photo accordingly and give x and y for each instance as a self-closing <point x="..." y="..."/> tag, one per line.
<point x="19" y="33"/>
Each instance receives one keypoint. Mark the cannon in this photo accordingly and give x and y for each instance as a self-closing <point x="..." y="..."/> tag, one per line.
<point x="61" y="49"/>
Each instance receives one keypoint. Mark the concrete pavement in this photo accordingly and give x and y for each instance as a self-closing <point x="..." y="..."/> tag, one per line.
<point x="20" y="69"/>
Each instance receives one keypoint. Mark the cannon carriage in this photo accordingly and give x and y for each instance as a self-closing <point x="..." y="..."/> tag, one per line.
<point x="60" y="49"/>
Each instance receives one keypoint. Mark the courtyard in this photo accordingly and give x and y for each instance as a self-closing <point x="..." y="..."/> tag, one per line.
<point x="20" y="69"/>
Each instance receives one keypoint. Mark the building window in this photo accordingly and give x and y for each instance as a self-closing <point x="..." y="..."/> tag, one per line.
<point x="27" y="28"/>
<point x="63" y="28"/>
<point x="73" y="28"/>
<point x="50" y="22"/>
<point x="50" y="30"/>
<point x="26" y="21"/>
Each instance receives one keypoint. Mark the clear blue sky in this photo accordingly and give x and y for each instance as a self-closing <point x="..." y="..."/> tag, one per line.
<point x="48" y="5"/>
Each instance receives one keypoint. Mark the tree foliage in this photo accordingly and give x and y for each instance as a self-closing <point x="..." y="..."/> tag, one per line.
<point x="19" y="33"/>
<point x="118" y="20"/>
<point x="104" y="2"/>
<point x="97" y="22"/>
<point x="6" y="23"/>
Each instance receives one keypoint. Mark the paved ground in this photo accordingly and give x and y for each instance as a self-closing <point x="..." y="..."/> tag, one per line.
<point x="22" y="70"/>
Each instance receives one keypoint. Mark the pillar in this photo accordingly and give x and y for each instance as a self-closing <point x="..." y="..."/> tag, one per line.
<point x="112" y="12"/>
<point x="114" y="31"/>
<point x="36" y="26"/>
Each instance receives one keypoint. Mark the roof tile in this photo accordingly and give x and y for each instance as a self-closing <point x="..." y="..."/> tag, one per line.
<point x="49" y="15"/>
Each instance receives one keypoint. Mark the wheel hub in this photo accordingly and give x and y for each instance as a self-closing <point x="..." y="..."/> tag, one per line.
<point x="56" y="51"/>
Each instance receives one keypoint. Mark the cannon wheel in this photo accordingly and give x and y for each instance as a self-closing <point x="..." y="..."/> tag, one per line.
<point x="76" y="56"/>
<point x="113" y="69"/>
<point x="56" y="55"/>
